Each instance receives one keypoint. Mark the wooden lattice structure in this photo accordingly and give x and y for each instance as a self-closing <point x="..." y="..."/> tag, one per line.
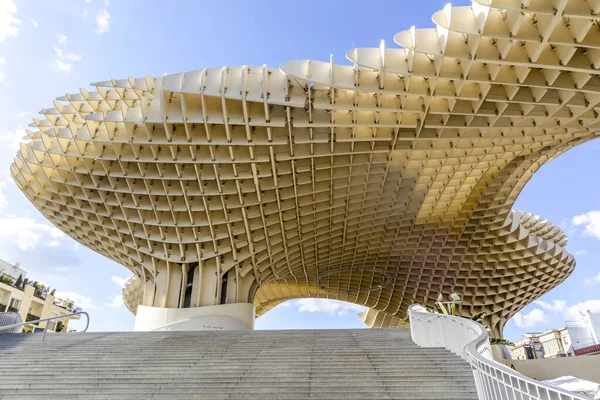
<point x="382" y="183"/>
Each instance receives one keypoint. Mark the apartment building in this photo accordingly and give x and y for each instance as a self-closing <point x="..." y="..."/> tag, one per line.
<point x="550" y="344"/>
<point x="528" y="348"/>
<point x="32" y="301"/>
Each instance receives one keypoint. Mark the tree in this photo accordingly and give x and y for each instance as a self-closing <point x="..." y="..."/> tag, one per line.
<point x="494" y="340"/>
<point x="52" y="292"/>
<point x="39" y="288"/>
<point x="25" y="282"/>
<point x="7" y="280"/>
<point x="19" y="281"/>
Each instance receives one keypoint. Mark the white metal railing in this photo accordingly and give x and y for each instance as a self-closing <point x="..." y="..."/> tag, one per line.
<point x="10" y="327"/>
<point x="470" y="340"/>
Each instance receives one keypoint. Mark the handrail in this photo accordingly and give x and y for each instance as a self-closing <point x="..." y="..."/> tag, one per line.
<point x="3" y="328"/>
<point x="470" y="340"/>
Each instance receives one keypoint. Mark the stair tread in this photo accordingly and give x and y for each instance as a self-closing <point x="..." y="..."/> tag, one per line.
<point x="333" y="364"/>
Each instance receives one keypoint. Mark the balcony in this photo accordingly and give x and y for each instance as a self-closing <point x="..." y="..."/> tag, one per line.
<point x="40" y="292"/>
<point x="31" y="317"/>
<point x="67" y="305"/>
<point x="12" y="309"/>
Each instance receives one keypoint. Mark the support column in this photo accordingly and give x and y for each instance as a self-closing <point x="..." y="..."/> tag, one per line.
<point x="47" y="311"/>
<point x="238" y="316"/>
<point x="26" y="302"/>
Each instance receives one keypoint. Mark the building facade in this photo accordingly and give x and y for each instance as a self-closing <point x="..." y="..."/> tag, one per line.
<point x="32" y="304"/>
<point x="12" y="271"/>
<point x="528" y="348"/>
<point x="585" y="333"/>
<point x="554" y="343"/>
<point x="384" y="182"/>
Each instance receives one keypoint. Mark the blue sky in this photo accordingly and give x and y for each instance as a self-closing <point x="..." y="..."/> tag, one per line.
<point x="50" y="48"/>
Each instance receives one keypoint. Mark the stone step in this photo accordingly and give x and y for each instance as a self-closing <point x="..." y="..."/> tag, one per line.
<point x="245" y="396"/>
<point x="241" y="354"/>
<point x="288" y="381"/>
<point x="262" y="360"/>
<point x="265" y="365"/>
<point x="274" y="372"/>
<point x="150" y="391"/>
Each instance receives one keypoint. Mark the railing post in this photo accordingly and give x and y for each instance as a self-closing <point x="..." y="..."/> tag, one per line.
<point x="44" y="336"/>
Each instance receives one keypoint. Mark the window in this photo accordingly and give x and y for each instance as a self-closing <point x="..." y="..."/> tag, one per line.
<point x="51" y="325"/>
<point x="15" y="304"/>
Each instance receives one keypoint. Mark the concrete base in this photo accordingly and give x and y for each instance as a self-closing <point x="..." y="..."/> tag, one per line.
<point x="238" y="316"/>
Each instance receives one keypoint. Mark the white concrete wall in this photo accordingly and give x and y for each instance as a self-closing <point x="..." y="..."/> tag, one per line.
<point x="222" y="317"/>
<point x="594" y="323"/>
<point x="583" y="367"/>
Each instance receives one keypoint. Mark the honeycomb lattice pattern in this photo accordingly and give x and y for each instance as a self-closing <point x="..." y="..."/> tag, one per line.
<point x="379" y="319"/>
<point x="133" y="294"/>
<point x="241" y="184"/>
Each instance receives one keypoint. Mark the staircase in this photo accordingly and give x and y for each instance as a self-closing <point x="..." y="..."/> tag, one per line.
<point x="315" y="364"/>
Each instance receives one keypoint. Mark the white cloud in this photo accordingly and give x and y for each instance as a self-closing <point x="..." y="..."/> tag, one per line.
<point x="591" y="222"/>
<point x="106" y="3"/>
<point x="53" y="243"/>
<point x="9" y="24"/>
<point x="117" y="301"/>
<point x="85" y="13"/>
<point x="13" y="138"/>
<point x="88" y="1"/>
<point x="587" y="281"/>
<point x="555" y="306"/>
<point x="64" y="61"/>
<point x="580" y="253"/>
<point x="62" y="66"/>
<point x="73" y="57"/>
<point x="534" y="318"/>
<point x="3" y="201"/>
<point x="33" y="22"/>
<point x="2" y="75"/>
<point x="118" y="280"/>
<point x="591" y="305"/>
<point x="78" y="299"/>
<point x="331" y="307"/>
<point x="67" y="56"/>
<point x="27" y="233"/>
<point x="537" y="318"/>
<point x="102" y="21"/>
<point x="23" y="114"/>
